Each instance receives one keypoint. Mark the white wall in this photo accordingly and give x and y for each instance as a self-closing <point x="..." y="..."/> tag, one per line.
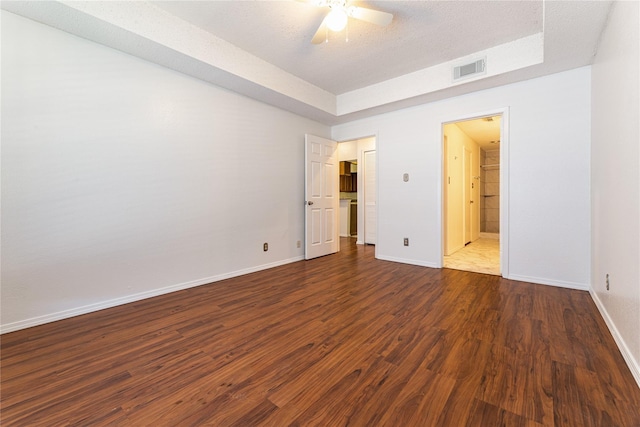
<point x="122" y="179"/>
<point x="547" y="170"/>
<point x="615" y="178"/>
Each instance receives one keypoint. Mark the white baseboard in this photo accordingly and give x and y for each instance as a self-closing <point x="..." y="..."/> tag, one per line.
<point x="634" y="365"/>
<point x="550" y="282"/>
<point x="65" y="314"/>
<point x="409" y="261"/>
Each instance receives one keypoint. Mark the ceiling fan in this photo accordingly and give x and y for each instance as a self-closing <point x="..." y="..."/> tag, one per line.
<point x="339" y="13"/>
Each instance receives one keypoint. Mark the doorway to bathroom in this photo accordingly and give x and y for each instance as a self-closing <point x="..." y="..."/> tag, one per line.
<point x="471" y="194"/>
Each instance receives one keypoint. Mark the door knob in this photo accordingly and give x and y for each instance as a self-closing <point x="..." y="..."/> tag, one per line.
<point x="309" y="203"/>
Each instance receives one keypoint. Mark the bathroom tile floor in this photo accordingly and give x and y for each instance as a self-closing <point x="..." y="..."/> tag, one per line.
<point x="480" y="256"/>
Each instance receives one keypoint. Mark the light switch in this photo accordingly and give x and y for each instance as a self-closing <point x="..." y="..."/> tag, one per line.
<point x="405" y="177"/>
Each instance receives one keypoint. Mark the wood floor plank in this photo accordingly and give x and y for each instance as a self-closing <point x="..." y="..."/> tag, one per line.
<point x="566" y="397"/>
<point x="341" y="359"/>
<point x="336" y="405"/>
<point x="385" y="397"/>
<point x="459" y="406"/>
<point x="517" y="383"/>
<point x="421" y="401"/>
<point x="340" y="340"/>
<point x="485" y="414"/>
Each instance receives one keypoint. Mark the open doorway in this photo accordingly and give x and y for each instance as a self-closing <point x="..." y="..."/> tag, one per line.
<point x="349" y="197"/>
<point x="358" y="207"/>
<point x="471" y="194"/>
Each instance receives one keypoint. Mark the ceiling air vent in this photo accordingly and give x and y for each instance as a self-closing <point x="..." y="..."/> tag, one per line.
<point x="469" y="70"/>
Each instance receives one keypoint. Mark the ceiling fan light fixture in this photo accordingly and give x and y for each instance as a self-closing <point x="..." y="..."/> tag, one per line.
<point x="340" y="12"/>
<point x="337" y="19"/>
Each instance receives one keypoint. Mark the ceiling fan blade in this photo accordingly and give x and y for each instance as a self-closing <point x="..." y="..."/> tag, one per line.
<point x="372" y="16"/>
<point x="321" y="35"/>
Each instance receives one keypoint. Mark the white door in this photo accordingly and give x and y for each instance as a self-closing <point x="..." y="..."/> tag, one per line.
<point x="455" y="198"/>
<point x="370" y="219"/>
<point x="322" y="197"/>
<point x="468" y="195"/>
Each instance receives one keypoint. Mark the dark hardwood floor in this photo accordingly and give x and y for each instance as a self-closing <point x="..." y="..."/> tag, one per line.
<point x="341" y="340"/>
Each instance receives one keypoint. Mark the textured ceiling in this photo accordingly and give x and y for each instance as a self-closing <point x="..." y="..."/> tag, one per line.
<point x="422" y="34"/>
<point x="262" y="49"/>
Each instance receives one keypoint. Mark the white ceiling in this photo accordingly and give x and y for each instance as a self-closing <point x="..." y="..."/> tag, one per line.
<point x="262" y="49"/>
<point x="485" y="131"/>
<point x="422" y="34"/>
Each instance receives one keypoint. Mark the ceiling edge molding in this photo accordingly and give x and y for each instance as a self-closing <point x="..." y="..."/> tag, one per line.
<point x="501" y="59"/>
<point x="145" y="31"/>
<point x="167" y="40"/>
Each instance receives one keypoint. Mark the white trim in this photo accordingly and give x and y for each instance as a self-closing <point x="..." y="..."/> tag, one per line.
<point x="633" y="365"/>
<point x="65" y="314"/>
<point x="440" y="198"/>
<point x="417" y="262"/>
<point x="549" y="282"/>
<point x="504" y="192"/>
<point x="377" y="144"/>
<point x="363" y="200"/>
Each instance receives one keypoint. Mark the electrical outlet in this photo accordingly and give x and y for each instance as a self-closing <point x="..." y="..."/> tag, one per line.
<point x="298" y="244"/>
<point x="607" y="282"/>
<point x="265" y="247"/>
<point x="406" y="241"/>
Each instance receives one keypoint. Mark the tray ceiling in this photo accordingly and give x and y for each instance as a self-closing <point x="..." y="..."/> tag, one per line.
<point x="262" y="49"/>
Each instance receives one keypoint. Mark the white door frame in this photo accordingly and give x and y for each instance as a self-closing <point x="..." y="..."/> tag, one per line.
<point x="376" y="138"/>
<point x="504" y="182"/>
<point x="364" y="198"/>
